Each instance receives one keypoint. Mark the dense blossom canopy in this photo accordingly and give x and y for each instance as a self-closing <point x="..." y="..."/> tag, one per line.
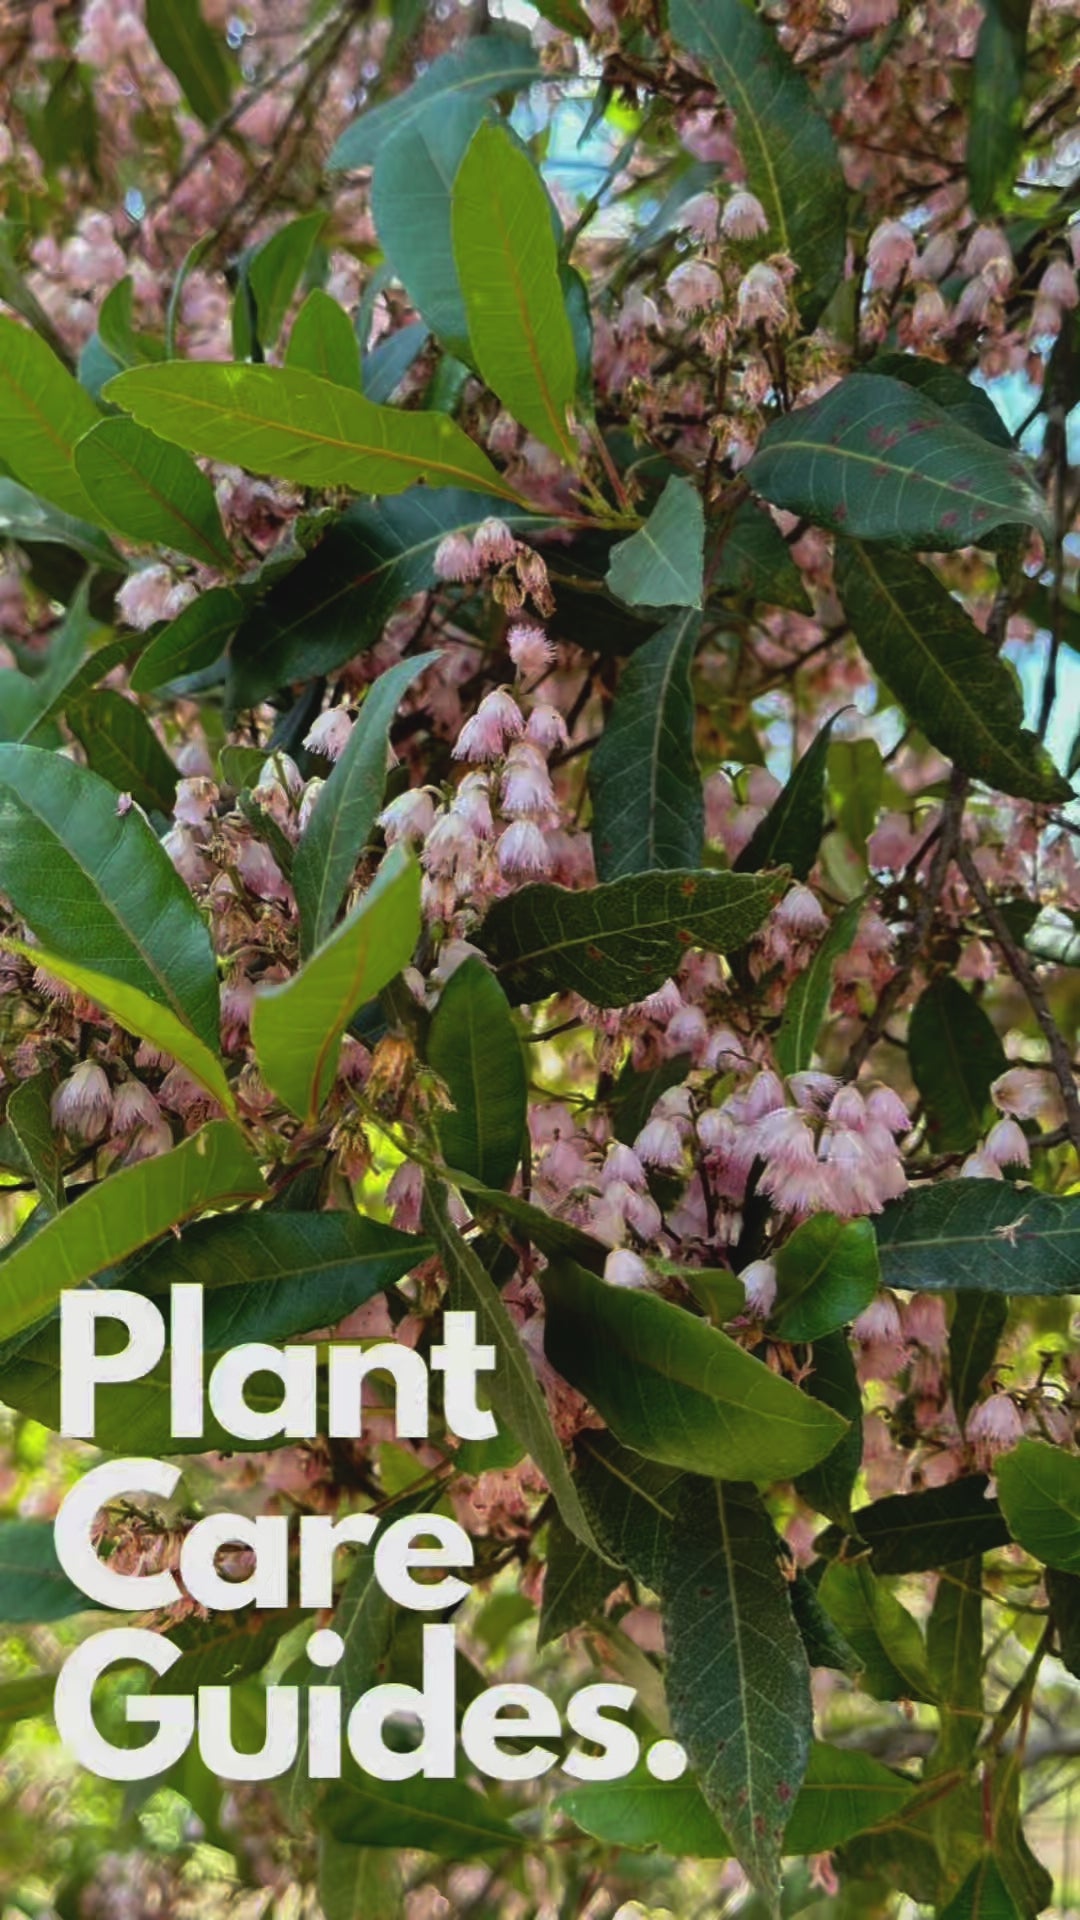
<point x="538" y="630"/>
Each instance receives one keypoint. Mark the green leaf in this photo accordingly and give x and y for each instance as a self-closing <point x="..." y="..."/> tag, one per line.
<point x="296" y="1027"/>
<point x="225" y="1649"/>
<point x="945" y="673"/>
<point x="826" y="1273"/>
<point x="211" y="1169"/>
<point x="1039" y="1491"/>
<point x="358" y="1883"/>
<point x="882" y="1633"/>
<point x="275" y="269"/>
<point x="954" y="1644"/>
<point x="196" y="639"/>
<point x="620" y="941"/>
<point x="34" y="1589"/>
<point x="337" y="601"/>
<point x="411" y="201"/>
<point x="137" y="1013"/>
<point x="828" y="1486"/>
<point x="878" y="461"/>
<point x="791" y="831"/>
<point x="576" y="1584"/>
<point x="508" y="268"/>
<point x="344" y="813"/>
<point x="950" y="389"/>
<point x="1063" y="1593"/>
<point x="439" y="1816"/>
<point x="981" y="1235"/>
<point x="753" y="561"/>
<point x="70" y="676"/>
<point x="116" y="328"/>
<point x="476" y="1050"/>
<point x="96" y="885"/>
<point x="843" y="1792"/>
<point x="516" y="1399"/>
<point x="978" y="1323"/>
<point x="911" y="1532"/>
<point x="631" y="1504"/>
<point x="278" y="421"/>
<point x="675" y="1388"/>
<point x="824" y="1643"/>
<point x="385" y="367"/>
<point x="478" y="69"/>
<point x="785" y="142"/>
<point x="996" y="127"/>
<point x="808" y="996"/>
<point x="983" y="1896"/>
<point x="121" y="746"/>
<point x="545" y="1230"/>
<point x="31" y="522"/>
<point x="648" y="807"/>
<point x="738" y="1682"/>
<point x="856" y="779"/>
<point x="955" y="1056"/>
<point x="266" y="1276"/>
<point x="43" y="412"/>
<point x="193" y="53"/>
<point x="151" y="491"/>
<point x="322" y="341"/>
<point x="662" y="565"/>
<point x="29" y="1130"/>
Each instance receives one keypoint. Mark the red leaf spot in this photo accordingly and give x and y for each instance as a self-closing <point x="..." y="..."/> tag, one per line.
<point x="950" y="519"/>
<point x="596" y="953"/>
<point x="688" y="887"/>
<point x="783" y="1792"/>
<point x="684" y="937"/>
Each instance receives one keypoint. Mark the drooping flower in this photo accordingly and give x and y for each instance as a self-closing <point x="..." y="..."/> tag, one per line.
<point x="1006" y="1144"/>
<point x="497" y="720"/>
<point x="455" y="559"/>
<point x="993" y="1427"/>
<point x="622" y="1268"/>
<point x="763" y="297"/>
<point x="82" y="1104"/>
<point x="743" y="217"/>
<point x="890" y="253"/>
<point x="694" y="287"/>
<point x="759" y="1285"/>
<point x="523" y="852"/>
<point x="1021" y="1092"/>
<point x="530" y="649"/>
<point x="329" y="735"/>
<point x="410" y="817"/>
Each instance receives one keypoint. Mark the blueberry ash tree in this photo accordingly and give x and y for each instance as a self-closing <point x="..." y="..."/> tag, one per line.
<point x="539" y="606"/>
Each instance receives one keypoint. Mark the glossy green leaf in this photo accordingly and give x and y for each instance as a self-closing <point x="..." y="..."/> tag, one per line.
<point x="151" y="491"/>
<point x="279" y="421"/>
<point x="828" y="1486"/>
<point x="752" y="560"/>
<point x="878" y="461"/>
<point x="70" y="677"/>
<point x="784" y="138"/>
<point x="826" y="1273"/>
<point x="29" y="1132"/>
<point x="647" y="801"/>
<point x="525" y="1222"/>
<point x="1039" y="1490"/>
<point x="950" y="389"/>
<point x="32" y="522"/>
<point x="192" y="52"/>
<point x="843" y="1792"/>
<point x="508" y="268"/>
<point x="266" y="1276"/>
<point x="981" y="1235"/>
<point x="296" y="1027"/>
<point x="676" y="1389"/>
<point x="978" y="1323"/>
<point x="137" y="1013"/>
<point x="121" y="746"/>
<point x="480" y="68"/>
<point x="662" y="565"/>
<point x="322" y="341"/>
<point x="358" y="1883"/>
<point x="738" y="1682"/>
<point x="856" y="776"/>
<point x="43" y="413"/>
<point x="337" y="601"/>
<point x="385" y="367"/>
<point x="996" y="127"/>
<point x="33" y="1585"/>
<point x="439" y="1816"/>
<point x="476" y="1050"/>
<point x="99" y="890"/>
<point x="113" y="1219"/>
<point x="516" y="1400"/>
<point x="196" y="639"/>
<point x="954" y="1645"/>
<point x="344" y="813"/>
<point x="807" y="1000"/>
<point x="983" y="1896"/>
<point x="911" y="1532"/>
<point x="411" y="200"/>
<point x="790" y="834"/>
<point x="225" y="1649"/>
<point x="622" y="940"/>
<point x="116" y="328"/>
<point x="945" y="673"/>
<point x="881" y="1631"/>
<point x="275" y="269"/>
<point x="824" y="1643"/>
<point x="955" y="1056"/>
<point x="576" y="1584"/>
<point x="631" y="1503"/>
